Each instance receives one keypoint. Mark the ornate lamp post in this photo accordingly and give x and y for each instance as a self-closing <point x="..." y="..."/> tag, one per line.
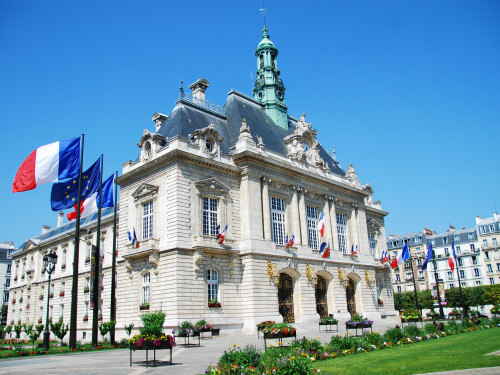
<point x="49" y="265"/>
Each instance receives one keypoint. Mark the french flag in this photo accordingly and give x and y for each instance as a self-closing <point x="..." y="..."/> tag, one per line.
<point x="385" y="256"/>
<point x="324" y="250"/>
<point x="402" y="256"/>
<point x="221" y="236"/>
<point x="133" y="238"/>
<point x="53" y="162"/>
<point x="354" y="251"/>
<point x="321" y="224"/>
<point x="452" y="260"/>
<point x="289" y="241"/>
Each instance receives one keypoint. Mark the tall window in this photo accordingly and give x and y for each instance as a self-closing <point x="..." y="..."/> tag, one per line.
<point x="476" y="272"/>
<point x="210" y="206"/>
<point x="147" y="220"/>
<point x="482" y="229"/>
<point x="212" y="285"/>
<point x="470" y="236"/>
<point x="456" y="238"/>
<point x="61" y="312"/>
<point x="373" y="243"/>
<point x="458" y="250"/>
<point x="462" y="274"/>
<point x="64" y="257"/>
<point x="449" y="275"/>
<point x="312" y="227"/>
<point x="89" y="251"/>
<point x="492" y="280"/>
<point x="341" y="230"/>
<point x="495" y="243"/>
<point x="86" y="309"/>
<point x="398" y="278"/>
<point x="145" y="291"/>
<point x="490" y="268"/>
<point x="40" y="316"/>
<point x="278" y="217"/>
<point x="51" y="310"/>
<point x="485" y="243"/>
<point x="460" y="262"/>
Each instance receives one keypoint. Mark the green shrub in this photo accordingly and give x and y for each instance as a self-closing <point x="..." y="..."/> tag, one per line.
<point x="246" y="357"/>
<point x="452" y="326"/>
<point x="186" y="325"/>
<point x="308" y="345"/>
<point x="152" y="323"/>
<point x="373" y="338"/>
<point x="288" y="363"/>
<point x="412" y="331"/>
<point x="339" y="343"/>
<point x="430" y="328"/>
<point x="393" y="335"/>
<point x="495" y="321"/>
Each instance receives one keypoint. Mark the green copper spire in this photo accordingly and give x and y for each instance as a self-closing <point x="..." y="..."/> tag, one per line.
<point x="269" y="88"/>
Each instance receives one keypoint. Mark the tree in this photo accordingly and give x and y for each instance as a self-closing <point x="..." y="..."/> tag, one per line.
<point x="8" y="329"/>
<point x="491" y="295"/>
<point x="152" y="323"/>
<point x="18" y="328"/>
<point x="59" y="329"/>
<point x="33" y="334"/>
<point x="128" y="329"/>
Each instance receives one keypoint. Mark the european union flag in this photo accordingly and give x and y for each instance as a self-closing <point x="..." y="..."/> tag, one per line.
<point x="65" y="194"/>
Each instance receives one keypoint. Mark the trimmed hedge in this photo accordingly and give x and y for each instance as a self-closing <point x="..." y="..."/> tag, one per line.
<point x="474" y="296"/>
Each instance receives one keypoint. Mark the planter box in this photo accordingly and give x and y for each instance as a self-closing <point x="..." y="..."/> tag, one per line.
<point x="147" y="346"/>
<point x="358" y="326"/>
<point x="328" y="326"/>
<point x="410" y="320"/>
<point x="279" y="336"/>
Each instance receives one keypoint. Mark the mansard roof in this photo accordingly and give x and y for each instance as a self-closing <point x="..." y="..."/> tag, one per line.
<point x="188" y="116"/>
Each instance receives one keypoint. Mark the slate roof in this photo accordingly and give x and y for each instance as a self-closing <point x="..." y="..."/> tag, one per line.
<point x="187" y="117"/>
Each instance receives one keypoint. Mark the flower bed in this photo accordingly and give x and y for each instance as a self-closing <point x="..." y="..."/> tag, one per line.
<point x="358" y="321"/>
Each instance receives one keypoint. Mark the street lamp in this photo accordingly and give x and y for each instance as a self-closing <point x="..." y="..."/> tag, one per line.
<point x="49" y="265"/>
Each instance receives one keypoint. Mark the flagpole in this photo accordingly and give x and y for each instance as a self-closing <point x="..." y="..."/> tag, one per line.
<point x="413" y="276"/>
<point x="113" y="267"/>
<point x="441" y="312"/>
<point x="74" y="286"/>
<point x="95" y="262"/>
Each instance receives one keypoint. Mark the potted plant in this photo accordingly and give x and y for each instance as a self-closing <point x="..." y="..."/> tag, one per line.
<point x="13" y="301"/>
<point x="144" y="306"/>
<point x="380" y="302"/>
<point x="100" y="318"/>
<point x="151" y="335"/>
<point x="15" y="278"/>
<point x="28" y="306"/>
<point x="86" y="318"/>
<point x="21" y="300"/>
<point x="63" y="266"/>
<point x="203" y="326"/>
<point x="39" y="320"/>
<point x="61" y="294"/>
<point x="86" y="289"/>
<point x="186" y="329"/>
<point x="279" y="330"/>
<point x="41" y="297"/>
<point x="214" y="303"/>
<point x="51" y="295"/>
<point x="22" y="277"/>
<point x="19" y="322"/>
<point x="87" y="260"/>
<point x="411" y="315"/>
<point x="358" y="321"/>
<point x="327" y="320"/>
<point x="266" y="324"/>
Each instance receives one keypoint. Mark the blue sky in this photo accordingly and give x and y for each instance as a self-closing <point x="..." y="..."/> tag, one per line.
<point x="406" y="91"/>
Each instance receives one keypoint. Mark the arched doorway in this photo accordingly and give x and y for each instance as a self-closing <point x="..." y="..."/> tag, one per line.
<point x="320" y="291"/>
<point x="285" y="298"/>
<point x="351" y="297"/>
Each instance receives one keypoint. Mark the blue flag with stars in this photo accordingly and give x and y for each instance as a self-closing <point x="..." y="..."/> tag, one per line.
<point x="65" y="194"/>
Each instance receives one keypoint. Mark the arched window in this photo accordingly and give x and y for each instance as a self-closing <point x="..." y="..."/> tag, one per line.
<point x="212" y="285"/>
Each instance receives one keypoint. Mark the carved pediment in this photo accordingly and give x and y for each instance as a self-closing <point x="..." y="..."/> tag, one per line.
<point x="212" y="185"/>
<point x="209" y="130"/>
<point x="149" y="136"/>
<point x="373" y="225"/>
<point x="145" y="191"/>
<point x="303" y="146"/>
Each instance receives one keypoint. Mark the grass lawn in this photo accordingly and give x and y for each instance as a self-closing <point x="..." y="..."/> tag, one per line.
<point x="456" y="352"/>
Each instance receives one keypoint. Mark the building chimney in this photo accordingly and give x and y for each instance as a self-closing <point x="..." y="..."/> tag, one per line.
<point x="428" y="232"/>
<point x="452" y="229"/>
<point x="198" y="88"/>
<point x="45" y="228"/>
<point x="60" y="218"/>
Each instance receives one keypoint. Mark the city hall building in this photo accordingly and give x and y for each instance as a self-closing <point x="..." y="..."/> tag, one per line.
<point x="253" y="167"/>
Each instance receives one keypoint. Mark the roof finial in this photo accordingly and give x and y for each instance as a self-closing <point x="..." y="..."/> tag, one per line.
<point x="263" y="11"/>
<point x="181" y="91"/>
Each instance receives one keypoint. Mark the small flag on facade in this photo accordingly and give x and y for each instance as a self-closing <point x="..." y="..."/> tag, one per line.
<point x="324" y="250"/>
<point x="222" y="235"/>
<point x="289" y="241"/>
<point x="132" y="237"/>
<point x="452" y="260"/>
<point x="321" y="224"/>
<point x="385" y="256"/>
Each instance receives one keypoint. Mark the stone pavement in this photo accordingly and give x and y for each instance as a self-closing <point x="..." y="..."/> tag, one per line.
<point x="187" y="361"/>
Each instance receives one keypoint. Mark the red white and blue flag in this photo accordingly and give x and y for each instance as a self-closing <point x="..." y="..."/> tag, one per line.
<point x="385" y="256"/>
<point x="289" y="241"/>
<point x="354" y="251"/>
<point x="49" y="163"/>
<point x="430" y="254"/>
<point x="220" y="237"/>
<point x="132" y="237"/>
<point x="321" y="224"/>
<point x="324" y="250"/>
<point x="402" y="256"/>
<point x="452" y="260"/>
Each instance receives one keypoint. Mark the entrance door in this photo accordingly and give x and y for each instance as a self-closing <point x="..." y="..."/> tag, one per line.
<point x="285" y="298"/>
<point x="321" y="305"/>
<point x="351" y="301"/>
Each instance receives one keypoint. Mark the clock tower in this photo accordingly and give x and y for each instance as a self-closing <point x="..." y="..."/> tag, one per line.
<point x="269" y="89"/>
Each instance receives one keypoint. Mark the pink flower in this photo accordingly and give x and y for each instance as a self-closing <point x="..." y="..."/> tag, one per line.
<point x="140" y="342"/>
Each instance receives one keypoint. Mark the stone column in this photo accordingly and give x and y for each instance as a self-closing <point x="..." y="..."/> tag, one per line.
<point x="333" y="222"/>
<point x="251" y="218"/>
<point x="364" y="242"/>
<point x="328" y="227"/>
<point x="295" y="216"/>
<point x="354" y="228"/>
<point x="302" y="215"/>
<point x="266" y="211"/>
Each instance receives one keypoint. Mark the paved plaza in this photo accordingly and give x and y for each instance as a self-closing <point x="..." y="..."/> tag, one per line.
<point x="188" y="361"/>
